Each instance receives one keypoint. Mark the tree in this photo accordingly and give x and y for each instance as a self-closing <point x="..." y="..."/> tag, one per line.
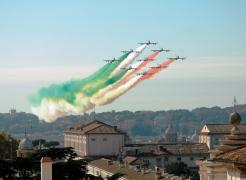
<point x="178" y="168"/>
<point x="36" y="142"/>
<point x="72" y="169"/>
<point x="25" y="167"/>
<point x="8" y="146"/>
<point x="6" y="171"/>
<point x="51" y="144"/>
<point x="181" y="169"/>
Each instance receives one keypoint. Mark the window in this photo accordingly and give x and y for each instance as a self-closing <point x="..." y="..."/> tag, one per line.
<point x="93" y="139"/>
<point x="191" y="158"/>
<point x="179" y="158"/>
<point x="166" y="159"/>
<point x="104" y="139"/>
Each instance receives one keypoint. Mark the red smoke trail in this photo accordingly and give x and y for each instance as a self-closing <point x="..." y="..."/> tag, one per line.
<point x="142" y="65"/>
<point x="151" y="72"/>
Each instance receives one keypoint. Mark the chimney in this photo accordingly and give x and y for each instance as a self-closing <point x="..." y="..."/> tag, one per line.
<point x="46" y="168"/>
<point x="157" y="173"/>
<point x="110" y="162"/>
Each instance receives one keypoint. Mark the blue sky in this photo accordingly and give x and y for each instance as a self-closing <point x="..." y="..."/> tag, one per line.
<point x="43" y="42"/>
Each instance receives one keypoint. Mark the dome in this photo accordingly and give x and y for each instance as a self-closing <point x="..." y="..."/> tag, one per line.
<point x="235" y="118"/>
<point x="25" y="144"/>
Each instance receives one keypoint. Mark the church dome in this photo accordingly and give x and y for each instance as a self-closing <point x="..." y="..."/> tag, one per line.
<point x="25" y="144"/>
<point x="235" y="118"/>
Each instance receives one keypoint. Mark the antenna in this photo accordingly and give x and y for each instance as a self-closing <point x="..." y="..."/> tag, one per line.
<point x="235" y="104"/>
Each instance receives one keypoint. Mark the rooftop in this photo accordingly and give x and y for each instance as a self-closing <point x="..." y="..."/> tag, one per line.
<point x="129" y="173"/>
<point x="221" y="128"/>
<point x="234" y="156"/>
<point x="25" y="144"/>
<point x="170" y="149"/>
<point x="93" y="127"/>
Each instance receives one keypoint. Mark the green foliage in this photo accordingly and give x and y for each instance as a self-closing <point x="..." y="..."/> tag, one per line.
<point x="29" y="168"/>
<point x="45" y="143"/>
<point x="37" y="141"/>
<point x="6" y="171"/>
<point x="8" y="146"/>
<point x="25" y="167"/>
<point x="72" y="169"/>
<point x="143" y="130"/>
<point x="181" y="169"/>
<point x="55" y="153"/>
<point x="184" y="121"/>
<point x="178" y="168"/>
<point x="51" y="144"/>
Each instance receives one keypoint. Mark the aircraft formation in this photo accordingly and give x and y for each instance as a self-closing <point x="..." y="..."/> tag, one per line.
<point x="158" y="66"/>
<point x="115" y="78"/>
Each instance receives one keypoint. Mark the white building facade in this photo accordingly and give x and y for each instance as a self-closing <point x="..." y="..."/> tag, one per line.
<point x="95" y="139"/>
<point x="212" y="134"/>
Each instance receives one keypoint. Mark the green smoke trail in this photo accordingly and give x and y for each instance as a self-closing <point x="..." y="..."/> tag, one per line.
<point x="102" y="84"/>
<point x="68" y="90"/>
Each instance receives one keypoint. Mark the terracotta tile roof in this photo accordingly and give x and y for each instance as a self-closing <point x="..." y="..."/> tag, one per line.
<point x="224" y="128"/>
<point x="134" y="161"/>
<point x="196" y="148"/>
<point x="94" y="127"/>
<point x="171" y="149"/>
<point x="46" y="160"/>
<point x="129" y="173"/>
<point x="129" y="159"/>
<point x="234" y="156"/>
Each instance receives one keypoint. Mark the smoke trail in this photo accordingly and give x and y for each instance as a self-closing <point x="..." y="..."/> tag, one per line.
<point x="129" y="59"/>
<point x="102" y="87"/>
<point x="68" y="90"/>
<point x="112" y="95"/>
<point x="63" y="99"/>
<point x="151" y="72"/>
<point x="130" y="74"/>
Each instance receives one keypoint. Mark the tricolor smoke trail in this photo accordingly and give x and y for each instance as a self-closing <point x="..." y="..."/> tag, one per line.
<point x="102" y="87"/>
<point x="114" y="94"/>
<point x="129" y="59"/>
<point x="136" y="67"/>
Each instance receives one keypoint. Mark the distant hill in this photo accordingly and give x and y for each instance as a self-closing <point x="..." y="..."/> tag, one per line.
<point x="139" y="123"/>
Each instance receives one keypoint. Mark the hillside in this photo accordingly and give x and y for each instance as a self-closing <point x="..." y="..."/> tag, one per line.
<point x="139" y="123"/>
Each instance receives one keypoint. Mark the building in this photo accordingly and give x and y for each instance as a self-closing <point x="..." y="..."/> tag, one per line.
<point x="170" y="135"/>
<point x="25" y="148"/>
<point x="95" y="139"/>
<point x="163" y="154"/>
<point x="228" y="160"/>
<point x="106" y="168"/>
<point x="212" y="134"/>
<point x="195" y="137"/>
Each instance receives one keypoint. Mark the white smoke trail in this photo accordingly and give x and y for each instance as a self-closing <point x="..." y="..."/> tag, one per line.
<point x="112" y="95"/>
<point x="49" y="109"/>
<point x="102" y="92"/>
<point x="130" y="58"/>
